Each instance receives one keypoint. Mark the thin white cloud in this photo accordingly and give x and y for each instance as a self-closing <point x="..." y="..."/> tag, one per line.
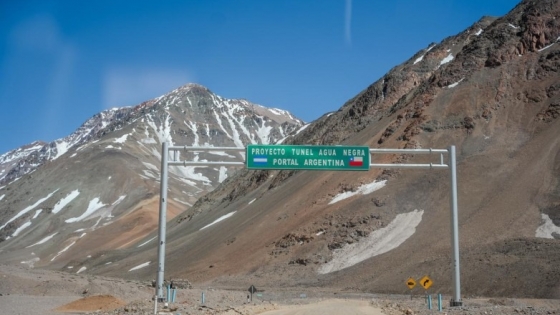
<point x="41" y="35"/>
<point x="348" y="22"/>
<point x="59" y="85"/>
<point x="38" y="33"/>
<point x="131" y="86"/>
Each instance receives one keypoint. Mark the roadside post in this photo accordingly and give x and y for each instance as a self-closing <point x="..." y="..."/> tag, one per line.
<point x="426" y="283"/>
<point x="252" y="290"/>
<point x="429" y="299"/>
<point x="169" y="294"/>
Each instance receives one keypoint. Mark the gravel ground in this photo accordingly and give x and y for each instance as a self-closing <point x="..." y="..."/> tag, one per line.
<point x="471" y="307"/>
<point x="34" y="291"/>
<point x="388" y="305"/>
<point x="33" y="305"/>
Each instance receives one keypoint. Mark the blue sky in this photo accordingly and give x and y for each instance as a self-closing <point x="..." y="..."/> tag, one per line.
<point x="61" y="62"/>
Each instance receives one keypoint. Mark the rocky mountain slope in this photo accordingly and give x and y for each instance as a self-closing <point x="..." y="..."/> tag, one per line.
<point x="493" y="91"/>
<point x="59" y="198"/>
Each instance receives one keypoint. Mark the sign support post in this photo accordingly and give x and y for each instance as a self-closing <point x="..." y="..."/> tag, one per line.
<point x="162" y="222"/>
<point x="456" y="301"/>
<point x="165" y="163"/>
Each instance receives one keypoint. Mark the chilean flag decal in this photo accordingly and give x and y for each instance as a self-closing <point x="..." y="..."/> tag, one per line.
<point x="356" y="161"/>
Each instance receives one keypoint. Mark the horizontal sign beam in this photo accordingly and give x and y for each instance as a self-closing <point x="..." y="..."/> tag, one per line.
<point x="177" y="148"/>
<point x="311" y="157"/>
<point x="408" y="151"/>
<point x="398" y="165"/>
<point x="187" y="163"/>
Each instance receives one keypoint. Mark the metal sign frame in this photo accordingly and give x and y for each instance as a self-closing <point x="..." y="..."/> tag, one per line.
<point x="307" y="157"/>
<point x="452" y="165"/>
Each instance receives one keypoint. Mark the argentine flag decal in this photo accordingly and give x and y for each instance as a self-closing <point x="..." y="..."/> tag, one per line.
<point x="260" y="159"/>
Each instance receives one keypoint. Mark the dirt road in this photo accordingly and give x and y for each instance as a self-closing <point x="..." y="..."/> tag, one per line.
<point x="329" y="307"/>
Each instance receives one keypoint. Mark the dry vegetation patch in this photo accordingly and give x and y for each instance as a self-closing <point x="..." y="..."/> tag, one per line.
<point x="93" y="303"/>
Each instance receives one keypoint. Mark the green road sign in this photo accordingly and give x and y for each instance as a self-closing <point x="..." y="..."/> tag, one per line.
<point x="307" y="157"/>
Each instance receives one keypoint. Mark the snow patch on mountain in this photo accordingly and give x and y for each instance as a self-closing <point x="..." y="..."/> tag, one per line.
<point x="189" y="172"/>
<point x="207" y="127"/>
<point x="147" y="174"/>
<point x="188" y="182"/>
<point x="146" y="242"/>
<point x="21" y="228"/>
<point x="64" y="201"/>
<point x="61" y="148"/>
<point x="223" y="174"/>
<point x="44" y="240"/>
<point x="236" y="139"/>
<point x="446" y="59"/>
<point x="146" y="264"/>
<point x="263" y="132"/>
<point x="279" y="112"/>
<point x="151" y="166"/>
<point x="121" y="198"/>
<point x="219" y="219"/>
<point x="63" y="250"/>
<point x="220" y="124"/>
<point x="121" y="139"/>
<point x="378" y="242"/>
<point x="192" y="126"/>
<point x="300" y="129"/>
<point x="20" y="153"/>
<point x="24" y="211"/>
<point x="67" y="247"/>
<point x="546" y="47"/>
<point x="547" y="228"/>
<point x="37" y="212"/>
<point x="148" y="139"/>
<point x="94" y="205"/>
<point x="162" y="132"/>
<point x="31" y="263"/>
<point x="183" y="202"/>
<point x="362" y="190"/>
<point x="455" y="84"/>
